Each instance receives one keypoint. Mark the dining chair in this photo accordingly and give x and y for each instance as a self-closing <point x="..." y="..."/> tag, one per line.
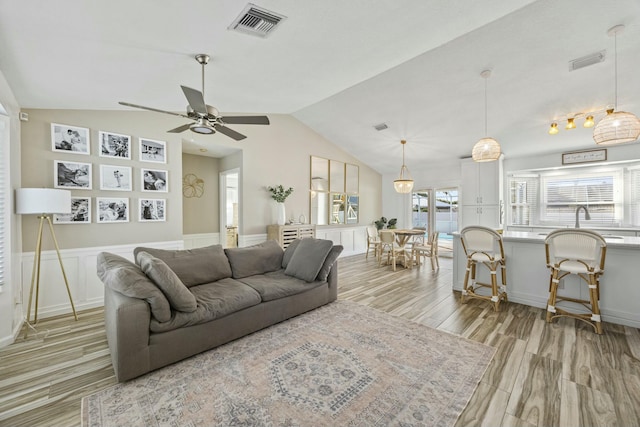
<point x="483" y="246"/>
<point x="389" y="247"/>
<point x="373" y="242"/>
<point x="582" y="253"/>
<point x="418" y="239"/>
<point x="428" y="250"/>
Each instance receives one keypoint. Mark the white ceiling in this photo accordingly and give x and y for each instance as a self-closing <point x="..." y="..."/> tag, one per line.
<point x="339" y="66"/>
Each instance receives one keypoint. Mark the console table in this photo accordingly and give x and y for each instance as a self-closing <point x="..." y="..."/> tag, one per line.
<point x="285" y="234"/>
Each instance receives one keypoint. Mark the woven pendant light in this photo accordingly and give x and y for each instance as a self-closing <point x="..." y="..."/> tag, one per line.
<point x="487" y="149"/>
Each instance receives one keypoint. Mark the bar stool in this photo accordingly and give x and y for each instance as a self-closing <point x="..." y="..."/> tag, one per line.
<point x="580" y="252"/>
<point x="483" y="246"/>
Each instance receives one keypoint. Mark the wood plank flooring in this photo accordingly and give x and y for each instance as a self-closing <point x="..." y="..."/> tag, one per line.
<point x="559" y="374"/>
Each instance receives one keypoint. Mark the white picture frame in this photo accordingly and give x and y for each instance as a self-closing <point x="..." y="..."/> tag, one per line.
<point x="80" y="212"/>
<point x="72" y="175"/>
<point x="112" y="209"/>
<point x="152" y="150"/>
<point x="115" y="178"/>
<point x="152" y="210"/>
<point x="154" y="180"/>
<point x="70" y="139"/>
<point x="114" y="145"/>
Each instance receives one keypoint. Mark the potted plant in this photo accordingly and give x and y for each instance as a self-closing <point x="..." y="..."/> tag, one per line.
<point x="380" y="223"/>
<point x="279" y="194"/>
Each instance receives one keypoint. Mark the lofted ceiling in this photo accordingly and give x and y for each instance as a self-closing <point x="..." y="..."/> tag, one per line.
<point x="340" y="67"/>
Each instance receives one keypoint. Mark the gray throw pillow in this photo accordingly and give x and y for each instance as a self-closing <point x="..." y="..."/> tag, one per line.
<point x="308" y="258"/>
<point x="288" y="253"/>
<point x="179" y="296"/>
<point x="328" y="262"/>
<point x="194" y="266"/>
<point x="257" y="259"/>
<point x="125" y="277"/>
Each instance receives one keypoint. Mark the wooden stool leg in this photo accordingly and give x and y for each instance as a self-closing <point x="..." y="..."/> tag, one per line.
<point x="551" y="304"/>
<point x="595" y="307"/>
<point x="495" y="297"/>
<point x="465" y="285"/>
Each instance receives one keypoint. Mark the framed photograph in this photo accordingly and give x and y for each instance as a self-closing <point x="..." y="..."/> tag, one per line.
<point x="153" y="151"/>
<point x="586" y="156"/>
<point x="152" y="210"/>
<point x="112" y="209"/>
<point x="114" y="145"/>
<point x="70" y="139"/>
<point x="116" y="178"/>
<point x="155" y="180"/>
<point x="71" y="175"/>
<point x="80" y="212"/>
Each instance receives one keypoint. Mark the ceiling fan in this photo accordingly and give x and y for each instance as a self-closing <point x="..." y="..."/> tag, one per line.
<point x="206" y="119"/>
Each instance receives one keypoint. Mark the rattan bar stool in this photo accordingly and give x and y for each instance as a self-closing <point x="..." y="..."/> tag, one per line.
<point x="582" y="253"/>
<point x="483" y="246"/>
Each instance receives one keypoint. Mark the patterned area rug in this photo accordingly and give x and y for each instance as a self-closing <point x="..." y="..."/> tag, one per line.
<point x="342" y="364"/>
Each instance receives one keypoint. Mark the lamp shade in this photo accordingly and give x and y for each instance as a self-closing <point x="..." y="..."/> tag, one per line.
<point x="617" y="128"/>
<point x="42" y="201"/>
<point x="486" y="150"/>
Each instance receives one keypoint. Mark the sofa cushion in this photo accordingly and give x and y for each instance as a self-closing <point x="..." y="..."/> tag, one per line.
<point x="308" y="258"/>
<point x="215" y="300"/>
<point x="288" y="253"/>
<point x="179" y="296"/>
<point x="277" y="284"/>
<point x="194" y="266"/>
<point x="125" y="277"/>
<point x="334" y="253"/>
<point x="256" y="259"/>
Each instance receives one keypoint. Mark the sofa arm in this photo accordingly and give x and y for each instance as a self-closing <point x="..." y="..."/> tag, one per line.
<point x="332" y="279"/>
<point x="127" y="323"/>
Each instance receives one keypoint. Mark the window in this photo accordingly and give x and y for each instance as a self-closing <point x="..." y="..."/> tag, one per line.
<point x="552" y="197"/>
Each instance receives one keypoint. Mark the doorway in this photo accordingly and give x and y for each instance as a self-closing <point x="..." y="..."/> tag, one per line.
<point x="229" y="205"/>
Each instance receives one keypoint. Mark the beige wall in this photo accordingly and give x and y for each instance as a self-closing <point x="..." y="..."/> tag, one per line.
<point x="38" y="171"/>
<point x="201" y="214"/>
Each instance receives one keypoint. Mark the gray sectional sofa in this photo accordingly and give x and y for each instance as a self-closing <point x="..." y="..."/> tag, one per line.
<point x="174" y="304"/>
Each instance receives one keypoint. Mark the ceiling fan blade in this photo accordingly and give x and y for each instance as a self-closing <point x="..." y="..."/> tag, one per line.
<point x="180" y="128"/>
<point x="153" y="109"/>
<point x="196" y="100"/>
<point x="229" y="132"/>
<point x="246" y="120"/>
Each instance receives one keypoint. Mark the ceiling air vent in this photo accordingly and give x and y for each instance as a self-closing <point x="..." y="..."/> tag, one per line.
<point x="256" y="21"/>
<point x="381" y="126"/>
<point x="585" y="61"/>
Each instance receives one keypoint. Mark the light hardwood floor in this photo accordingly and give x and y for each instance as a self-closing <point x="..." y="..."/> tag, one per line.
<point x="559" y="374"/>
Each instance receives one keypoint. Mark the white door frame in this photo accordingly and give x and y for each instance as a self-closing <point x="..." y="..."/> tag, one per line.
<point x="223" y="202"/>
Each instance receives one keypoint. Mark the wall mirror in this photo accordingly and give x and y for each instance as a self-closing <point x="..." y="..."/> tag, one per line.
<point x="333" y="192"/>
<point x="319" y="191"/>
<point x="352" y="209"/>
<point x="351" y="179"/>
<point x="336" y="176"/>
<point x="338" y="208"/>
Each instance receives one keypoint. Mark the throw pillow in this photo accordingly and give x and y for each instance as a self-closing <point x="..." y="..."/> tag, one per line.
<point x="125" y="277"/>
<point x="179" y="296"/>
<point x="194" y="266"/>
<point x="288" y="253"/>
<point x="328" y="262"/>
<point x="257" y="259"/>
<point x="308" y="258"/>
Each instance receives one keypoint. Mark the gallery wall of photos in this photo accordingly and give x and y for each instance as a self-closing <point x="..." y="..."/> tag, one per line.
<point x="116" y="179"/>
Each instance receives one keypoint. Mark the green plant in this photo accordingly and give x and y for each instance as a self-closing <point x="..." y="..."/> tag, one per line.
<point x="392" y="223"/>
<point x="380" y="223"/>
<point x="279" y="194"/>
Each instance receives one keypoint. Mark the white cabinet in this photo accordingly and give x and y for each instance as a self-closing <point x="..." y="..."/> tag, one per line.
<point x="285" y="234"/>
<point x="481" y="193"/>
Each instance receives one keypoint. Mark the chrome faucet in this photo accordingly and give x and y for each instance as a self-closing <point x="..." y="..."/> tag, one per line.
<point x="586" y="214"/>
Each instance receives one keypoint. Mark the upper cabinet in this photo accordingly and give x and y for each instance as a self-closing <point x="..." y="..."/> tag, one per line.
<point x="481" y="193"/>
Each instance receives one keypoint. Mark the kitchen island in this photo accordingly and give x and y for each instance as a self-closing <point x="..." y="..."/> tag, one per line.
<point x="528" y="276"/>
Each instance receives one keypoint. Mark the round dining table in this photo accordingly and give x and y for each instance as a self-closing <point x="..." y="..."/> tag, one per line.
<point x="402" y="237"/>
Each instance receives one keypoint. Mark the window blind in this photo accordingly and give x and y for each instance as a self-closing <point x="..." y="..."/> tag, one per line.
<point x="523" y="199"/>
<point x="633" y="214"/>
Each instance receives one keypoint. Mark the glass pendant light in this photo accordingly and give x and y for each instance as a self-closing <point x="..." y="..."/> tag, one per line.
<point x="487" y="149"/>
<point x="404" y="183"/>
<point x="616" y="127"/>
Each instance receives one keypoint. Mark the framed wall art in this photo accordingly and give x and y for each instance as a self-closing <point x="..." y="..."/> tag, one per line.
<point x="152" y="150"/>
<point x="155" y="180"/>
<point x="112" y="209"/>
<point x="70" y="139"/>
<point x="80" y="212"/>
<point x="71" y="175"/>
<point x="152" y="210"/>
<point x="114" y="145"/>
<point x="116" y="178"/>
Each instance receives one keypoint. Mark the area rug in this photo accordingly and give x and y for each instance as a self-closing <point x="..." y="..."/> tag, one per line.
<point x="340" y="365"/>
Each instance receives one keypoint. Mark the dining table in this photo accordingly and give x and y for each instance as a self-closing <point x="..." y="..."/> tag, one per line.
<point x="402" y="237"/>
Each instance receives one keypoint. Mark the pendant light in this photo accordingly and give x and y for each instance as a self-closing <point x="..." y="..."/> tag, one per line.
<point x="619" y="126"/>
<point x="404" y="183"/>
<point x="487" y="149"/>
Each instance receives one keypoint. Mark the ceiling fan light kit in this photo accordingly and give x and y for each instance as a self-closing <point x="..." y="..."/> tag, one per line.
<point x="487" y="149"/>
<point x="206" y="119"/>
<point x="616" y="127"/>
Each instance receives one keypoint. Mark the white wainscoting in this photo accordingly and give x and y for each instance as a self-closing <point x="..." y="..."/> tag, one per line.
<point x="80" y="266"/>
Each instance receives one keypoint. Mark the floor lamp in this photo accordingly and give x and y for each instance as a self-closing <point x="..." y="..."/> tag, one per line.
<point x="43" y="202"/>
